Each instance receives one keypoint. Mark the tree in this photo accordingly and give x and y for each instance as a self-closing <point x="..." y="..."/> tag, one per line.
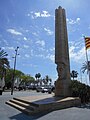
<point x="3" y="53"/>
<point x="8" y="78"/>
<point x="18" y="75"/>
<point x="74" y="74"/>
<point x="9" y="74"/>
<point x="27" y="79"/>
<point x="84" y="67"/>
<point x="47" y="79"/>
<point x="38" y="75"/>
<point x="4" y="63"/>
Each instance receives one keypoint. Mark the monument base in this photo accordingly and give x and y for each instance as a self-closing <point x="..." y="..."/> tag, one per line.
<point x="35" y="105"/>
<point x="62" y="89"/>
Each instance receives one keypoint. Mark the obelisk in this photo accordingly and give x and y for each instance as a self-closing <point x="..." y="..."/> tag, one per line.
<point x="61" y="54"/>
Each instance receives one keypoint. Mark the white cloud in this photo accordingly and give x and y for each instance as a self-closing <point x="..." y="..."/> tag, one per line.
<point x="5" y="41"/>
<point x="28" y="14"/>
<point x="52" y="49"/>
<point x="48" y="31"/>
<point x="27" y="56"/>
<point x="39" y="14"/>
<point x="29" y="65"/>
<point x="11" y="48"/>
<point x="34" y="33"/>
<point x="51" y="57"/>
<point x="14" y="32"/>
<point x="78" y="19"/>
<point x="40" y="42"/>
<point x="40" y="55"/>
<point x="32" y="52"/>
<point x="3" y="48"/>
<point x="75" y="55"/>
<point x="45" y="14"/>
<point x="25" y="38"/>
<point x="26" y="31"/>
<point x="71" y="21"/>
<point x="26" y="46"/>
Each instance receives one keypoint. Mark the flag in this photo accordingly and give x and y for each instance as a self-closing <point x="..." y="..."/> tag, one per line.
<point x="87" y="42"/>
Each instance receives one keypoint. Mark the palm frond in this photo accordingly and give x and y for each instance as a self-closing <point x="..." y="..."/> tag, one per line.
<point x="84" y="67"/>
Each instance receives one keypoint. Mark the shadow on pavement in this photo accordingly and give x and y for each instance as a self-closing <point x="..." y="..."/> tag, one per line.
<point x="23" y="116"/>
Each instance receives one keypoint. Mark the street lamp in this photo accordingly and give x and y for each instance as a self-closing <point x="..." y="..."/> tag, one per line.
<point x="12" y="86"/>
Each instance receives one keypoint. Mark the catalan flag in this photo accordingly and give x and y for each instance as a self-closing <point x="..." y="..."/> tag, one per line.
<point x="87" y="42"/>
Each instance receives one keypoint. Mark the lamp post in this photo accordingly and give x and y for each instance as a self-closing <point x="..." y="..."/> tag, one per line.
<point x="12" y="86"/>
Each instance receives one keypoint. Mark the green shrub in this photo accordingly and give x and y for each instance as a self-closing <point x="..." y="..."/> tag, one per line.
<point x="80" y="90"/>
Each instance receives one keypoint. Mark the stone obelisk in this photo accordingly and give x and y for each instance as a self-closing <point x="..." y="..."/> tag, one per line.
<point x="61" y="54"/>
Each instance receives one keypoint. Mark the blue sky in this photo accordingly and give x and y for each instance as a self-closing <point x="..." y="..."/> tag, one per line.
<point x="30" y="24"/>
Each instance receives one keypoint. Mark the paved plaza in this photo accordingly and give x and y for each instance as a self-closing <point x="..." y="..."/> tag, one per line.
<point x="9" y="113"/>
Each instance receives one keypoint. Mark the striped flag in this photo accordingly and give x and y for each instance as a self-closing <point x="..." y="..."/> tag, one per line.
<point x="87" y="42"/>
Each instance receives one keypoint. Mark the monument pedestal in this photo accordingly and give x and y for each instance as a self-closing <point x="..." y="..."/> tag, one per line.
<point x="62" y="89"/>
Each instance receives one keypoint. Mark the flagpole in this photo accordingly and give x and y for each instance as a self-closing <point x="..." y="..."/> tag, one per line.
<point x="86" y="50"/>
<point x="87" y="61"/>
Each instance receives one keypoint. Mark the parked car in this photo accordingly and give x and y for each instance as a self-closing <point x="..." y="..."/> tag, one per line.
<point x="39" y="88"/>
<point x="22" y="87"/>
<point x="31" y="87"/>
<point x="43" y="89"/>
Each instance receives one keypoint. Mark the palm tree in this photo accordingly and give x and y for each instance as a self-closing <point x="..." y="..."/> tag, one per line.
<point x="84" y="67"/>
<point x="3" y="54"/>
<point x="4" y="63"/>
<point x="38" y="75"/>
<point x="46" y="80"/>
<point x="74" y="74"/>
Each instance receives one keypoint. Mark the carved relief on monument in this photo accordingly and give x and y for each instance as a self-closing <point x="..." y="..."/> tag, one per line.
<point x="61" y="66"/>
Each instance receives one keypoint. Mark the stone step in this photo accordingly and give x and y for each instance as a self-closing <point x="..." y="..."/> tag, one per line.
<point x="25" y="105"/>
<point x="23" y="109"/>
<point x="27" y="102"/>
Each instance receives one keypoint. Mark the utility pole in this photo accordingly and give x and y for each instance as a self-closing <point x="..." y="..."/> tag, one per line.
<point x="12" y="86"/>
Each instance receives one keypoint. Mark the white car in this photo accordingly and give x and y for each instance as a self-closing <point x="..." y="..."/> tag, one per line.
<point x="44" y="89"/>
<point x="39" y="88"/>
